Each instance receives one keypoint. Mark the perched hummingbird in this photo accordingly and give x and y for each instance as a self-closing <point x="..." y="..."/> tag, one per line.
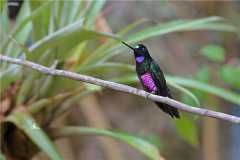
<point x="151" y="77"/>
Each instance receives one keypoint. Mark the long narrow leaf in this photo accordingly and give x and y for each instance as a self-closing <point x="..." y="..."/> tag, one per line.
<point x="185" y="91"/>
<point x="27" y="124"/>
<point x="93" y="10"/>
<point x="220" y="92"/>
<point x="133" y="79"/>
<point x="68" y="36"/>
<point x="165" y="28"/>
<point x="227" y="95"/>
<point x="25" y="21"/>
<point x="136" y="142"/>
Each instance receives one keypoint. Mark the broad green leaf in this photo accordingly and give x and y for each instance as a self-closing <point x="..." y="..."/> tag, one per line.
<point x="220" y="92"/>
<point x="187" y="129"/>
<point x="28" y="125"/>
<point x="136" y="142"/>
<point x="213" y="52"/>
<point x="230" y="75"/>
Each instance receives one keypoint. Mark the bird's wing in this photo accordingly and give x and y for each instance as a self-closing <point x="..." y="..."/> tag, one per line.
<point x="159" y="79"/>
<point x="163" y="90"/>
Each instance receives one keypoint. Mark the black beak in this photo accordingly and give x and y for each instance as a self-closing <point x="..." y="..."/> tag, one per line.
<point x="128" y="45"/>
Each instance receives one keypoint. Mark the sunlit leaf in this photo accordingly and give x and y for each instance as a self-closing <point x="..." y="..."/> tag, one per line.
<point x="27" y="124"/>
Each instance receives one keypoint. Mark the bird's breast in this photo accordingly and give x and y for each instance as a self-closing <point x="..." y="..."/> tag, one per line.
<point x="148" y="82"/>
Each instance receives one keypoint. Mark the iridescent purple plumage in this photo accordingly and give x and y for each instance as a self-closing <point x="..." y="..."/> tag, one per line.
<point x="140" y="59"/>
<point x="148" y="82"/>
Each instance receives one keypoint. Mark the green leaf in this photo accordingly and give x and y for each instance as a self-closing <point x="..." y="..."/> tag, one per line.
<point x="92" y="11"/>
<point x="28" y="125"/>
<point x="220" y="92"/>
<point x="9" y="75"/>
<point x="173" y="26"/>
<point x="21" y="25"/>
<point x="68" y="37"/>
<point x="92" y="57"/>
<point x="230" y="75"/>
<point x="21" y="36"/>
<point x="213" y="52"/>
<point x="203" y="74"/>
<point x="128" y="79"/>
<point x="41" y="24"/>
<point x="187" y="129"/>
<point x="162" y="29"/>
<point x="100" y="68"/>
<point x="136" y="142"/>
<point x="68" y="104"/>
<point x="186" y="92"/>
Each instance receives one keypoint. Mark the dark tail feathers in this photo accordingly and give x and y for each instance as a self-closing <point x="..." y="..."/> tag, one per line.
<point x="173" y="112"/>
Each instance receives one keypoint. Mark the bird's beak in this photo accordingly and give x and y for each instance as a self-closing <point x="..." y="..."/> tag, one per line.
<point x="128" y="45"/>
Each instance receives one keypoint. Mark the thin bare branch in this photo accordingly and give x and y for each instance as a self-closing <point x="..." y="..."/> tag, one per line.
<point x="122" y="88"/>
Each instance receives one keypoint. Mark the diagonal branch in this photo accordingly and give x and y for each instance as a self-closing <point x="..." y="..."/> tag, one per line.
<point x="122" y="88"/>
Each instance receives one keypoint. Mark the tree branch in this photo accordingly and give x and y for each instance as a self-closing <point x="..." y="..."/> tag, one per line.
<point x="122" y="88"/>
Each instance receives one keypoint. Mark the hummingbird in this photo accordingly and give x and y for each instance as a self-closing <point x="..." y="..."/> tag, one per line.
<point x="152" y="77"/>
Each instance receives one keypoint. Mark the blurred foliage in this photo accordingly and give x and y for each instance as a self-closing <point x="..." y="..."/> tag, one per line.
<point x="214" y="53"/>
<point x="229" y="74"/>
<point x="63" y="35"/>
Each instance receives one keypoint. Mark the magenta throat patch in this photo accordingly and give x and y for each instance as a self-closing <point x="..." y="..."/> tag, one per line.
<point x="148" y="82"/>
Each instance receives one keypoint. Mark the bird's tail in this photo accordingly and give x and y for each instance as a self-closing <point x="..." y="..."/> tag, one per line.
<point x="173" y="112"/>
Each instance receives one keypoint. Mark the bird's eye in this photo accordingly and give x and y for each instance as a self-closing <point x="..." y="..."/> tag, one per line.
<point x="137" y="47"/>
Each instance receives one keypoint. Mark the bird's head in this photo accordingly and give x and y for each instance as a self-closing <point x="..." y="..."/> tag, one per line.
<point x="140" y="51"/>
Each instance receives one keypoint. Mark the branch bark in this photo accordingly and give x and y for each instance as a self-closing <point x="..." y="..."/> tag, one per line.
<point x="122" y="88"/>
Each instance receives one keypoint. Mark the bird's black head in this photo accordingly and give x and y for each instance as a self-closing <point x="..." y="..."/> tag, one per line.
<point x="139" y="50"/>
